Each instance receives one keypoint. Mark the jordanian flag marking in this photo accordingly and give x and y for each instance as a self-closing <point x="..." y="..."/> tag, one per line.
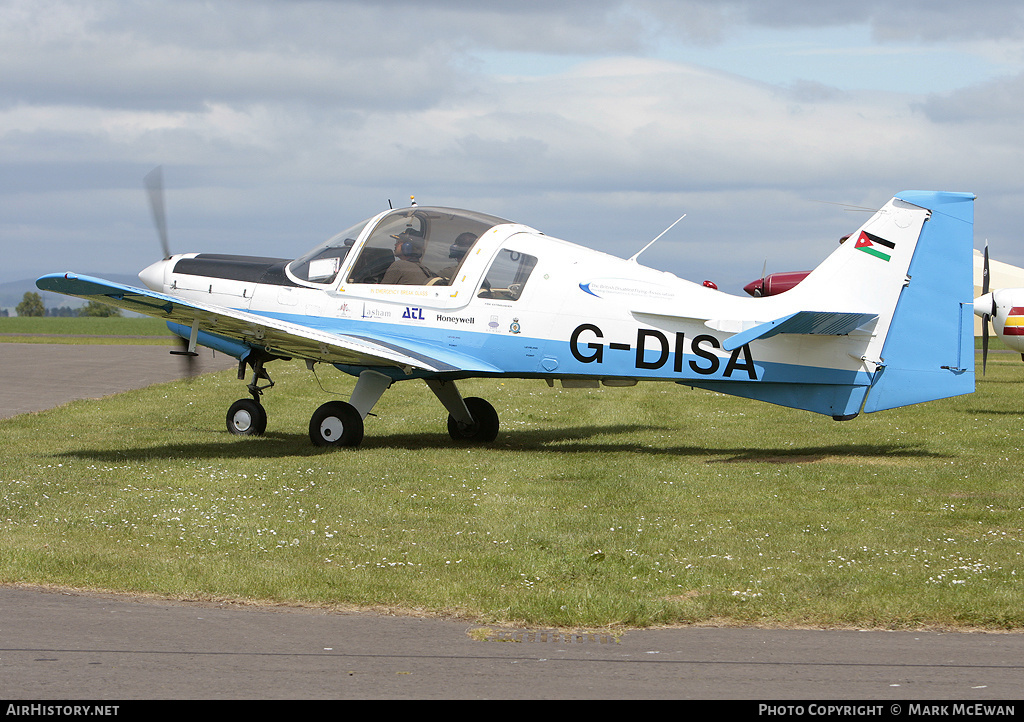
<point x="867" y="241"/>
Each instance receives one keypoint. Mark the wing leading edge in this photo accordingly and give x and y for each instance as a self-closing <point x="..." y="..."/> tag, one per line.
<point x="238" y="332"/>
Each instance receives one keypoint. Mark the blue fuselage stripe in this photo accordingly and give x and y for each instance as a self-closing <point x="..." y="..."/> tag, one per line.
<point x="519" y="355"/>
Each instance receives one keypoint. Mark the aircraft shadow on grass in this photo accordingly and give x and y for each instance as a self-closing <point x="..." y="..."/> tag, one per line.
<point x="567" y="440"/>
<point x="993" y="412"/>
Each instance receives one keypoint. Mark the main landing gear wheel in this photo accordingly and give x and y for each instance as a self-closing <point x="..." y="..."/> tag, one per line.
<point x="484" y="428"/>
<point x="247" y="418"/>
<point x="336" y="423"/>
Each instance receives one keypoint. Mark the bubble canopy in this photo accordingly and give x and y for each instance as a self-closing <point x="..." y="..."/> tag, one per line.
<point x="442" y="236"/>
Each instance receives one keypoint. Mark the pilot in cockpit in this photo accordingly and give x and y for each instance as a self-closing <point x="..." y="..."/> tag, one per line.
<point x="457" y="252"/>
<point x="407" y="268"/>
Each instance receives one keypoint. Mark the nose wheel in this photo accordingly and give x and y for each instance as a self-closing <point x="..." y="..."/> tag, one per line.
<point x="247" y="417"/>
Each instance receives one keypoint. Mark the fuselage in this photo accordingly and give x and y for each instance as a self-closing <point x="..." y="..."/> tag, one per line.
<point x="518" y="303"/>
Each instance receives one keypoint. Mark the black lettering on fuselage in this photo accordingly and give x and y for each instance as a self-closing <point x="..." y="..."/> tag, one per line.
<point x="641" y="347"/>
<point x="653" y="349"/>
<point x="711" y="358"/>
<point x="597" y="348"/>
<point x="748" y="363"/>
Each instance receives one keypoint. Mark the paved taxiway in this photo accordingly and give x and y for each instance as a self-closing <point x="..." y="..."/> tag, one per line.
<point x="63" y="644"/>
<point x="66" y="645"/>
<point x="37" y="376"/>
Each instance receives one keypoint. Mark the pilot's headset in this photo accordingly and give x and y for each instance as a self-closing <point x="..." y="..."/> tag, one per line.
<point x="412" y="245"/>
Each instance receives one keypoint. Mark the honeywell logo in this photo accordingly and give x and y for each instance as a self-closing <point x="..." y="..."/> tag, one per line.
<point x="455" y="319"/>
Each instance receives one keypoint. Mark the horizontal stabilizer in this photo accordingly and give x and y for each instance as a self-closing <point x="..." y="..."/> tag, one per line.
<point x="802" y="322"/>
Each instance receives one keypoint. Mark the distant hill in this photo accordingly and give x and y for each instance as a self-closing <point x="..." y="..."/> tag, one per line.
<point x="12" y="292"/>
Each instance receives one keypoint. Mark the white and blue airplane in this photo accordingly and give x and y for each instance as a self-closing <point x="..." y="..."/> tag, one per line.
<point x="442" y="295"/>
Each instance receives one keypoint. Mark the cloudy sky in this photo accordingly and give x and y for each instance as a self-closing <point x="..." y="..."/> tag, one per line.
<point x="281" y="122"/>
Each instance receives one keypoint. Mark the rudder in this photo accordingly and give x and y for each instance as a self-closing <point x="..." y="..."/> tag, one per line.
<point x="928" y="352"/>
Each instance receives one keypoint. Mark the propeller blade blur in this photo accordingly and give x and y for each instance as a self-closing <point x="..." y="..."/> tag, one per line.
<point x="985" y="318"/>
<point x="154" y="182"/>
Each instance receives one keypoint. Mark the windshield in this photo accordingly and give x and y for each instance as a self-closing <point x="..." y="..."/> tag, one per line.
<point x="321" y="265"/>
<point x="420" y="246"/>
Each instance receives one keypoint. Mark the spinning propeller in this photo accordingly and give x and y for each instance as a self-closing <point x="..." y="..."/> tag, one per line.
<point x="154" y="182"/>
<point x="1004" y="308"/>
<point x="988" y="302"/>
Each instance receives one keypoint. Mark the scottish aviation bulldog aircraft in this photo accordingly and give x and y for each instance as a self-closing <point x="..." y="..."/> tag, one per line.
<point x="442" y="295"/>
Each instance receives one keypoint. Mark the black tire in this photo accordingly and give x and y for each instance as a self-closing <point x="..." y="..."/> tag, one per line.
<point x="336" y="423"/>
<point x="484" y="428"/>
<point x="247" y="418"/>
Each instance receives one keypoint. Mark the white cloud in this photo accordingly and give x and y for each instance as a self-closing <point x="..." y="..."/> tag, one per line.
<point x="928" y="20"/>
<point x="280" y="122"/>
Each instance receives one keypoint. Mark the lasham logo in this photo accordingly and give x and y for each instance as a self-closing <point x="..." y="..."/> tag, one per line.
<point x="455" y="319"/>
<point x="369" y="312"/>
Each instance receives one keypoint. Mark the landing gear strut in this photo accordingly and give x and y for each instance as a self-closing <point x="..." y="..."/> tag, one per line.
<point x="247" y="417"/>
<point x="339" y="423"/>
<point x="483" y="429"/>
<point x="471" y="420"/>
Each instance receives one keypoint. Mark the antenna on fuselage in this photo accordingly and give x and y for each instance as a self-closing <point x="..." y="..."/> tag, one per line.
<point x="637" y="254"/>
<point x="845" y="206"/>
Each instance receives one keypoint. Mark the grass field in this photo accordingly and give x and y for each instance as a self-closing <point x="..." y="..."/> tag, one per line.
<point x="30" y="329"/>
<point x="594" y="509"/>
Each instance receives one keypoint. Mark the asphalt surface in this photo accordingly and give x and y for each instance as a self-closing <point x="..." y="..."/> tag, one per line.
<point x="70" y="645"/>
<point x="37" y="376"/>
<point x="66" y="645"/>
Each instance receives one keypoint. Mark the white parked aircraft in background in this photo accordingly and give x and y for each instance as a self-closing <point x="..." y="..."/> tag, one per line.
<point x="1004" y="307"/>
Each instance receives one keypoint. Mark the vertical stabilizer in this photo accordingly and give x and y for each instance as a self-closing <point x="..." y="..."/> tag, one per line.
<point x="928" y="352"/>
<point x="899" y="293"/>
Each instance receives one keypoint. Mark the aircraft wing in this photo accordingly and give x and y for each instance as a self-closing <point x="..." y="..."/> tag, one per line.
<point x="238" y="332"/>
